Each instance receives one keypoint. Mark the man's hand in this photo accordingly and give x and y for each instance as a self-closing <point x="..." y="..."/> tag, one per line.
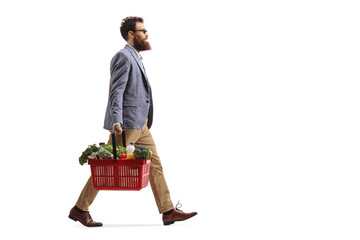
<point x="117" y="128"/>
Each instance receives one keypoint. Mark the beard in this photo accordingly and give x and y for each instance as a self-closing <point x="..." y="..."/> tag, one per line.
<point x="141" y="45"/>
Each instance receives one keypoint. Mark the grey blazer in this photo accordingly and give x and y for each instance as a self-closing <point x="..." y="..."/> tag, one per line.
<point x="130" y="99"/>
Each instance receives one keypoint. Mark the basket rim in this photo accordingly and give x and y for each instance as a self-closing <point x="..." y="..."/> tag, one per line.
<point x="118" y="161"/>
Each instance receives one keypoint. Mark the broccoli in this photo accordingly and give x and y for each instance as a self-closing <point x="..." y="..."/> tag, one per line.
<point x="142" y="152"/>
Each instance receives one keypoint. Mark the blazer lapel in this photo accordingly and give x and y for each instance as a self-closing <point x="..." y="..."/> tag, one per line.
<point x="141" y="66"/>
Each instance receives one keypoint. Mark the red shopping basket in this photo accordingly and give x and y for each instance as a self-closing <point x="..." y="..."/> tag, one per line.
<point x="108" y="174"/>
<point x="119" y="174"/>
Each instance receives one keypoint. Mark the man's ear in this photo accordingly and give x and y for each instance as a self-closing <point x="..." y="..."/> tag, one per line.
<point x="130" y="34"/>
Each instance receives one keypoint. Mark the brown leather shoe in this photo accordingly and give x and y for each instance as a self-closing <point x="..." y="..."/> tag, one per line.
<point x="177" y="215"/>
<point x="84" y="217"/>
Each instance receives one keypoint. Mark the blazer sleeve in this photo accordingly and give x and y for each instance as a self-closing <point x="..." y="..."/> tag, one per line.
<point x="119" y="69"/>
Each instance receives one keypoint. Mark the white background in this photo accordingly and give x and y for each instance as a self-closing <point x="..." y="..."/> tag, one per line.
<point x="256" y="117"/>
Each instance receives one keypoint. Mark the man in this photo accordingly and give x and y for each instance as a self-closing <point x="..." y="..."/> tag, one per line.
<point x="130" y="109"/>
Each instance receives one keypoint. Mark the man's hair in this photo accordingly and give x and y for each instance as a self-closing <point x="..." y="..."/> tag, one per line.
<point x="128" y="24"/>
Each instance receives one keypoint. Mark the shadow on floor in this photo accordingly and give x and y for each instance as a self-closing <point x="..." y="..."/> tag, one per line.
<point x="132" y="225"/>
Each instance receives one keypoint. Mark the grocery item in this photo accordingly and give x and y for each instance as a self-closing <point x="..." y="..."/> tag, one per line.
<point x="119" y="149"/>
<point x="130" y="156"/>
<point x="142" y="152"/>
<point x="93" y="156"/>
<point x="104" y="154"/>
<point x="88" y="151"/>
<point x="130" y="148"/>
<point x="105" y="151"/>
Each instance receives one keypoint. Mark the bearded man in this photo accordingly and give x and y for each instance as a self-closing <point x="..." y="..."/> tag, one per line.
<point x="130" y="109"/>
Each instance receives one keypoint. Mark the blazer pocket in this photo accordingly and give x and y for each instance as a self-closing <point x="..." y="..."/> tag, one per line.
<point x="130" y="103"/>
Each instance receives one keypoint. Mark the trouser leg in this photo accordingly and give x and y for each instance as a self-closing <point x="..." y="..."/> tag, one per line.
<point x="87" y="196"/>
<point x="156" y="177"/>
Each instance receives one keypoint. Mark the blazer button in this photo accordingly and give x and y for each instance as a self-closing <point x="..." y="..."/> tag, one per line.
<point x="147" y="101"/>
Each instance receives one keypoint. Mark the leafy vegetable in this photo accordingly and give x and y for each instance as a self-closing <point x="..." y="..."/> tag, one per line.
<point x="104" y="154"/>
<point x="91" y="149"/>
<point x="119" y="149"/>
<point x="142" y="152"/>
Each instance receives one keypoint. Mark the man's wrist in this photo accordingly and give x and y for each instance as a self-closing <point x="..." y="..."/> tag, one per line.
<point x="117" y="124"/>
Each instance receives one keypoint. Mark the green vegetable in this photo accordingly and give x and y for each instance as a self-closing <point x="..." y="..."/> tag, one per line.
<point x="142" y="152"/>
<point x="108" y="147"/>
<point x="119" y="149"/>
<point x="91" y="149"/>
<point x="104" y="154"/>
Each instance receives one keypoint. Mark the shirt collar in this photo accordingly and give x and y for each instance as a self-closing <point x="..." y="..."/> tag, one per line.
<point x="140" y="57"/>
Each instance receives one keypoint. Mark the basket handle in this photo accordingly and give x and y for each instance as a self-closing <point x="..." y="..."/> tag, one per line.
<point x="113" y="138"/>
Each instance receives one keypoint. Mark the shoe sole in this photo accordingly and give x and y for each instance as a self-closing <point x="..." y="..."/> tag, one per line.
<point x="168" y="223"/>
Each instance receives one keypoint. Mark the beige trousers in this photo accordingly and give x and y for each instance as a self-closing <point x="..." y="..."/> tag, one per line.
<point x="156" y="176"/>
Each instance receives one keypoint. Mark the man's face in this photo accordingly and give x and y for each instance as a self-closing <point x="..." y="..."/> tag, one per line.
<point x="140" y="38"/>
